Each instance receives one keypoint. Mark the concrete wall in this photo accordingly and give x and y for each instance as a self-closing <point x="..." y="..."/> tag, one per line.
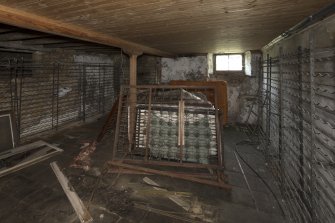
<point x="184" y="68"/>
<point x="242" y="91"/>
<point x="148" y="70"/>
<point x="296" y="131"/>
<point x="242" y="94"/>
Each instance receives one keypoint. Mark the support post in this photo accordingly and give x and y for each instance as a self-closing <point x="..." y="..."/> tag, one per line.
<point x="132" y="94"/>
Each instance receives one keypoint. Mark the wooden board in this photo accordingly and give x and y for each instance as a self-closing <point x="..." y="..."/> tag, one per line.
<point x="77" y="204"/>
<point x="46" y="151"/>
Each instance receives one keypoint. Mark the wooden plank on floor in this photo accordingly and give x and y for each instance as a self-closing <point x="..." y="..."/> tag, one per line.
<point x="48" y="151"/>
<point x="77" y="204"/>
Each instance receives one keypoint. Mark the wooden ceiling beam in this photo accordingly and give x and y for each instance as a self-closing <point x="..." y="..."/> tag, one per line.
<point x="27" y="20"/>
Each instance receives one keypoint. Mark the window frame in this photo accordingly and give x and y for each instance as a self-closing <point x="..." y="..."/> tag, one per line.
<point x="228" y="71"/>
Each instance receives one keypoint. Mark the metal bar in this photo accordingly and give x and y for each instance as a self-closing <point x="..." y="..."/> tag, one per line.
<point x="16" y="100"/>
<point x="281" y="120"/>
<point x="99" y="89"/>
<point x="20" y="98"/>
<point x="218" y="130"/>
<point x="313" y="152"/>
<point x="269" y="98"/>
<point x="301" y="124"/>
<point x="164" y="86"/>
<point x="80" y="90"/>
<point x="148" y="125"/>
<point x="84" y="92"/>
<point x="117" y="130"/>
<point x="171" y="164"/>
<point x="53" y="97"/>
<point x="57" y="97"/>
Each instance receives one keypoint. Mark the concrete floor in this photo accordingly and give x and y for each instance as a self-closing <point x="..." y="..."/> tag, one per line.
<point x="34" y="194"/>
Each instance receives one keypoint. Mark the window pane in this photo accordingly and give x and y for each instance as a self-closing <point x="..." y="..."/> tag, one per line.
<point x="235" y="62"/>
<point x="229" y="62"/>
<point x="222" y="62"/>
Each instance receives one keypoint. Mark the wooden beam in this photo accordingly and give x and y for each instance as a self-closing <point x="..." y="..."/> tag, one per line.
<point x="27" y="20"/>
<point x="75" y="201"/>
<point x="169" y="174"/>
<point x="132" y="97"/>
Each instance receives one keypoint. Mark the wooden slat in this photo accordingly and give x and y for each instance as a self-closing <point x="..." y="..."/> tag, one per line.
<point x="183" y="26"/>
<point x="27" y="20"/>
<point x="47" y="151"/>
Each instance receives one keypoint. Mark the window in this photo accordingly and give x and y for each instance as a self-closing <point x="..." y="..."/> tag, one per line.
<point x="229" y="62"/>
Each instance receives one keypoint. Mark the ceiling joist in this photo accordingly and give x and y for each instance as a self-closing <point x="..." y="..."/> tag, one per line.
<point x="30" y="21"/>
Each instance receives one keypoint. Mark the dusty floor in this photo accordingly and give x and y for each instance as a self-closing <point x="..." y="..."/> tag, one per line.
<point x="34" y="194"/>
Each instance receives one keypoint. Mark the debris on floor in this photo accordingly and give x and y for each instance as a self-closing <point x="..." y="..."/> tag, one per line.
<point x="83" y="159"/>
<point x="188" y="202"/>
<point x="98" y="191"/>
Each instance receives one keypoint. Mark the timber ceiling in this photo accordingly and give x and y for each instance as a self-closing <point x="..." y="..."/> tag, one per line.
<point x="180" y="26"/>
<point x="24" y="40"/>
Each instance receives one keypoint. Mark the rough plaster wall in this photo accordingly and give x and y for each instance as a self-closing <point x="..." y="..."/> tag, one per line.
<point x="242" y="91"/>
<point x="148" y="70"/>
<point x="210" y="64"/>
<point x="247" y="66"/>
<point x="184" y="68"/>
<point x="121" y="69"/>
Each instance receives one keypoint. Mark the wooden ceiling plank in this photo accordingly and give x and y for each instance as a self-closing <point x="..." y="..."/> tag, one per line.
<point x="27" y="20"/>
<point x="168" y="24"/>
